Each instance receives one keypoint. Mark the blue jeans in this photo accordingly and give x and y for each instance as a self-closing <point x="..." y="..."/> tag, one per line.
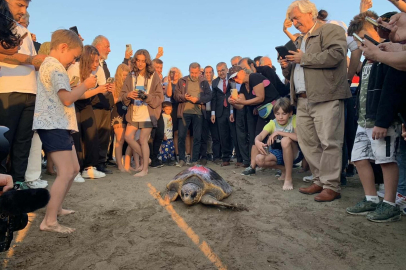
<point x="401" y="158"/>
<point x="197" y="122"/>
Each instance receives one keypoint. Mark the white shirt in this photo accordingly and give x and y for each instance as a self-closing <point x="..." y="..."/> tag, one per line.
<point x="101" y="76"/>
<point x="140" y="108"/>
<point x="49" y="112"/>
<point x="20" y="78"/>
<point x="208" y="104"/>
<point x="168" y="126"/>
<point x="74" y="70"/>
<point x="298" y="76"/>
<point x="220" y="85"/>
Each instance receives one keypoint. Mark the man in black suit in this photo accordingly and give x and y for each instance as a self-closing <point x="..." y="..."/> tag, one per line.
<point x="221" y="111"/>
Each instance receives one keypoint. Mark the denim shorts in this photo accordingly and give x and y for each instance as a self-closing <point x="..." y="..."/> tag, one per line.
<point x="279" y="156"/>
<point x="54" y="140"/>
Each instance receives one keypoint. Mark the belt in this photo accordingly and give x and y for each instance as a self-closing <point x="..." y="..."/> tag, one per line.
<point x="302" y="95"/>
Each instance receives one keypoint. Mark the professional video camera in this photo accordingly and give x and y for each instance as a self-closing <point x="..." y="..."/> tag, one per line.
<point x="15" y="204"/>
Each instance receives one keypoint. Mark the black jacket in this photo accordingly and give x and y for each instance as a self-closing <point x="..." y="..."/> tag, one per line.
<point x="386" y="96"/>
<point x="218" y="96"/>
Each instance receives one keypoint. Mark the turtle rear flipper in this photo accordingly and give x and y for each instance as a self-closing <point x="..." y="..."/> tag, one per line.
<point x="210" y="200"/>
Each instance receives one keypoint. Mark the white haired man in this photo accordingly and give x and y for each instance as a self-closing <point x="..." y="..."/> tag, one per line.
<point x="318" y="75"/>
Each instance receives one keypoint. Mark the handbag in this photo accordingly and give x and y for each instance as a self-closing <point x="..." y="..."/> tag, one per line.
<point x="265" y="110"/>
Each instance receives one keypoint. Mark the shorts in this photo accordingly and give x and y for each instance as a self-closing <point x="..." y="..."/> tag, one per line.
<point x="381" y="151"/>
<point x="54" y="140"/>
<point x="141" y="125"/>
<point x="118" y="115"/>
<point x="279" y="156"/>
<point x="167" y="150"/>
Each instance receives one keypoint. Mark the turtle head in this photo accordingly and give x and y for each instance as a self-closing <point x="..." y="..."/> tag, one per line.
<point x="191" y="193"/>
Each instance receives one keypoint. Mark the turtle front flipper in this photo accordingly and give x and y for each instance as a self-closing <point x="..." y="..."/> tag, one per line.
<point x="210" y="200"/>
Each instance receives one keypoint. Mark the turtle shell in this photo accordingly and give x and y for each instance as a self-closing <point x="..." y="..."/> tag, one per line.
<point x="207" y="175"/>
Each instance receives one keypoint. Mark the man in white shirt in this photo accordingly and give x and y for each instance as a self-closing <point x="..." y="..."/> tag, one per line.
<point x="18" y="88"/>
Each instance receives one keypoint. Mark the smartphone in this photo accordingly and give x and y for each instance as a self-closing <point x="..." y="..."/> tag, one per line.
<point x="234" y="93"/>
<point x="74" y="29"/>
<point x="283" y="51"/>
<point x="376" y="43"/>
<point x="128" y="48"/>
<point x="402" y="119"/>
<point x="357" y="37"/>
<point x="376" y="24"/>
<point x="110" y="80"/>
<point x="74" y="82"/>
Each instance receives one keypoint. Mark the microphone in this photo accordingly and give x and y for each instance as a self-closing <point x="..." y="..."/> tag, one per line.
<point x="17" y="202"/>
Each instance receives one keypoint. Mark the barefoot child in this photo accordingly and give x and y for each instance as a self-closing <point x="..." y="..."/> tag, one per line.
<point x="55" y="120"/>
<point x="167" y="150"/>
<point x="283" y="147"/>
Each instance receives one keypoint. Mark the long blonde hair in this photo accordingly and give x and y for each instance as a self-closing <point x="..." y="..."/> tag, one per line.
<point x="177" y="70"/>
<point x="119" y="81"/>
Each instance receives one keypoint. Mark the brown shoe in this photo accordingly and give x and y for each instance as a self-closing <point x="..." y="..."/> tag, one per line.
<point x="225" y="163"/>
<point x="327" y="195"/>
<point x="239" y="164"/>
<point x="313" y="189"/>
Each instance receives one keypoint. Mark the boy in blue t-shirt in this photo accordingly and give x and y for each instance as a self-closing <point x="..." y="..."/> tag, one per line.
<point x="282" y="143"/>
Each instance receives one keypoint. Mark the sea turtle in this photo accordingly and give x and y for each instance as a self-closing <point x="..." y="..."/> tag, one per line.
<point x="200" y="184"/>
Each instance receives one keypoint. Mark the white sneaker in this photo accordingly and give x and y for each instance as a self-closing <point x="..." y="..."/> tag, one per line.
<point x="308" y="179"/>
<point x="37" y="184"/>
<point x="188" y="160"/>
<point x="381" y="190"/>
<point x="79" y="179"/>
<point x="43" y="181"/>
<point x="92" y="173"/>
<point x="401" y="201"/>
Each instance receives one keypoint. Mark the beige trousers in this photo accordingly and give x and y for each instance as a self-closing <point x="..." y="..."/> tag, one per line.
<point x="34" y="168"/>
<point x="320" y="129"/>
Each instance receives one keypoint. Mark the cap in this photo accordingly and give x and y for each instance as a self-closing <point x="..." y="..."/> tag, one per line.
<point x="233" y="71"/>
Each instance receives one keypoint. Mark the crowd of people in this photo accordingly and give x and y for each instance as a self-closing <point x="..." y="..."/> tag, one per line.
<point x="331" y="112"/>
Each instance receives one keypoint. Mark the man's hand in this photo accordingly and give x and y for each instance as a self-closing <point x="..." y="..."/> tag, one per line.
<point x="232" y="118"/>
<point x="271" y="138"/>
<point x="370" y="51"/>
<point x="90" y="82"/>
<point x="191" y="99"/>
<point x="365" y="5"/>
<point x="287" y="24"/>
<point x="213" y="119"/>
<point x="397" y="25"/>
<point x="260" y="146"/>
<point x="10" y="51"/>
<point x="6" y="181"/>
<point x="295" y="57"/>
<point x="128" y="54"/>
<point x="284" y="63"/>
<point x="403" y="131"/>
<point x="160" y="52"/>
<point x="379" y="133"/>
<point x="391" y="47"/>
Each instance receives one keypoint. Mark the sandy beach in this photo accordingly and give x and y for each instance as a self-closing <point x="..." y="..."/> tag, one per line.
<point x="120" y="225"/>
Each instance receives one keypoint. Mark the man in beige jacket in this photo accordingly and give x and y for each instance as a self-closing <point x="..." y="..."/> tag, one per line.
<point x="318" y="77"/>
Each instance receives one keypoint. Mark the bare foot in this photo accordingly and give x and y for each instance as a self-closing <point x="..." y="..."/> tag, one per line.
<point x="65" y="212"/>
<point x="55" y="228"/>
<point x="122" y="170"/>
<point x="141" y="174"/>
<point x="282" y="177"/>
<point x="288" y="185"/>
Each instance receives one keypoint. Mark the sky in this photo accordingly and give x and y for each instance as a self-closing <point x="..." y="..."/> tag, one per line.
<point x="207" y="32"/>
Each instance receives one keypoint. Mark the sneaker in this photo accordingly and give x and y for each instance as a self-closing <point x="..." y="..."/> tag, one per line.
<point x="21" y="185"/>
<point x="156" y="164"/>
<point x="248" y="171"/>
<point x="308" y="179"/>
<point x="188" y="160"/>
<point x="181" y="164"/>
<point x="43" y="181"/>
<point x="401" y="202"/>
<point x="385" y="213"/>
<point x="92" y="173"/>
<point x="362" y="208"/>
<point x="36" y="184"/>
<point x="79" y="179"/>
<point x="278" y="173"/>
<point x="381" y="190"/>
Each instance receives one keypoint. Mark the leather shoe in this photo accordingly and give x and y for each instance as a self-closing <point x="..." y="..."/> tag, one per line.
<point x="327" y="195"/>
<point x="225" y="163"/>
<point x="313" y="189"/>
<point x="239" y="164"/>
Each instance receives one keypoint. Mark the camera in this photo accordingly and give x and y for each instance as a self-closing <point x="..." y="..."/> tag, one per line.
<point x="277" y="143"/>
<point x="9" y="225"/>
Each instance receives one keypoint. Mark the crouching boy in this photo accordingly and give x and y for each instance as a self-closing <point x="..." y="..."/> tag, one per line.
<point x="282" y="143"/>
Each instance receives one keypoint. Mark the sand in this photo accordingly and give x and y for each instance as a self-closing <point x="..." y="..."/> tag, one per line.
<point x="121" y="226"/>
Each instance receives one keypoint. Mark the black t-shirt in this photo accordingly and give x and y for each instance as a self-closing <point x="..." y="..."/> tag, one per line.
<point x="173" y="92"/>
<point x="82" y="103"/>
<point x="271" y="75"/>
<point x="270" y="92"/>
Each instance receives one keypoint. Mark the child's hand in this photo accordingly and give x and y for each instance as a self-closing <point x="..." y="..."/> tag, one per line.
<point x="90" y="82"/>
<point x="271" y="138"/>
<point x="260" y="146"/>
<point x="165" y="138"/>
<point x="111" y="87"/>
<point x="102" y="89"/>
